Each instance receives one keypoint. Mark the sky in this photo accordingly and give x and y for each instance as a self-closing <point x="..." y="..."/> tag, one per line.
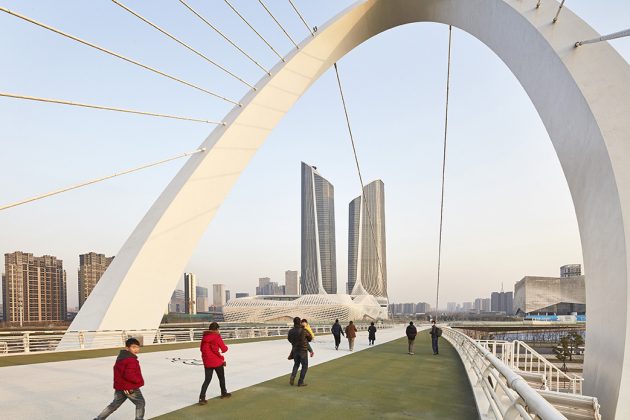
<point x="508" y="211"/>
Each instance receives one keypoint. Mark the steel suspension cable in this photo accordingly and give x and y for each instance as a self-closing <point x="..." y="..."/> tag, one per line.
<point x="448" y="83"/>
<point x="278" y="23"/>
<point x="122" y="57"/>
<point x="107" y="108"/>
<point x="356" y="161"/>
<point x="94" y="181"/>
<point x="302" y="18"/>
<point x="182" y="43"/>
<point x="253" y="29"/>
<point x="224" y="36"/>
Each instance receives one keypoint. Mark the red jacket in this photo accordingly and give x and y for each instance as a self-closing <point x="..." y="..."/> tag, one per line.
<point x="212" y="346"/>
<point x="127" y="374"/>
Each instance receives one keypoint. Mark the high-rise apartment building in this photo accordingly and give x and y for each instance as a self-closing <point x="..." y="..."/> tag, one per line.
<point x="190" y="293"/>
<point x="227" y="296"/>
<point x="218" y="295"/>
<point x="502" y="302"/>
<point x="367" y="267"/>
<point x="291" y="282"/>
<point x="177" y="304"/>
<point x="91" y="269"/>
<point x="33" y="288"/>
<point x="202" y="299"/>
<point x="319" y="263"/>
<point x="570" y="270"/>
<point x="451" y="307"/>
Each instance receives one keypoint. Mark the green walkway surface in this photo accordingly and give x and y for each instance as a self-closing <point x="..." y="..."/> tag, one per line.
<point x="383" y="382"/>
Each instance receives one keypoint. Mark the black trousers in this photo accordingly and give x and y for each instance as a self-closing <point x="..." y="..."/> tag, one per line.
<point x="337" y="339"/>
<point x="220" y="374"/>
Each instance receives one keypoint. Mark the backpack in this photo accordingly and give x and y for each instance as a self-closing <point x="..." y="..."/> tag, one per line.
<point x="439" y="332"/>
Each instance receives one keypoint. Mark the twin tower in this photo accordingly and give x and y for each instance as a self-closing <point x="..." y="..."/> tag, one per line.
<point x="367" y="269"/>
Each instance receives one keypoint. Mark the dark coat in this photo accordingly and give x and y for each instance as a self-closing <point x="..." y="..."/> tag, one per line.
<point x="411" y="332"/>
<point x="434" y="332"/>
<point x="299" y="338"/>
<point x="372" y="333"/>
<point x="336" y="329"/>
<point x="127" y="374"/>
<point x="211" y="347"/>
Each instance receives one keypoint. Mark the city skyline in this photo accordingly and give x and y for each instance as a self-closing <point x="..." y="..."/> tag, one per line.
<point x="508" y="211"/>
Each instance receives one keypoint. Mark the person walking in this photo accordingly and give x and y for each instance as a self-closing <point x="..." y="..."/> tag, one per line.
<point x="299" y="337"/>
<point x="371" y="334"/>
<point x="435" y="334"/>
<point x="351" y="334"/>
<point x="127" y="381"/>
<point x="337" y="332"/>
<point x="411" y="332"/>
<point x="212" y="348"/>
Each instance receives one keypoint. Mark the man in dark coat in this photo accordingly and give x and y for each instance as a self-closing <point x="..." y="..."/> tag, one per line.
<point x="337" y="332"/>
<point x="434" y="338"/>
<point x="371" y="334"/>
<point x="299" y="338"/>
<point x="411" y="332"/>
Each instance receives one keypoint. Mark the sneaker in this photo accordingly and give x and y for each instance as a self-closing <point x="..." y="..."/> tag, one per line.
<point x="302" y="384"/>
<point x="226" y="395"/>
<point x="291" y="380"/>
<point x="412" y="353"/>
<point x="203" y="401"/>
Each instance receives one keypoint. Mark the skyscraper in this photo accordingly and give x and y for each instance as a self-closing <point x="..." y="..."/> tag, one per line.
<point x="190" y="293"/>
<point x="218" y="295"/>
<point x="91" y="269"/>
<point x="33" y="288"/>
<point x="319" y="263"/>
<point x="202" y="299"/>
<point x="367" y="261"/>
<point x="291" y="282"/>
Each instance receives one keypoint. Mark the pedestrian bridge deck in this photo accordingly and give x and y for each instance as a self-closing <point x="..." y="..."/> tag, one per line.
<point x="380" y="382"/>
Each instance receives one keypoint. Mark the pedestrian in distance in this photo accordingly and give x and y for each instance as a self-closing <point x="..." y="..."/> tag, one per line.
<point x="337" y="332"/>
<point x="212" y="348"/>
<point x="411" y="332"/>
<point x="299" y="338"/>
<point x="371" y="334"/>
<point x="127" y="381"/>
<point x="351" y="334"/>
<point x="435" y="334"/>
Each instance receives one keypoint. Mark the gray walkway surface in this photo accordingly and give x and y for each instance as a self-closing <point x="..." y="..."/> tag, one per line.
<point x="80" y="389"/>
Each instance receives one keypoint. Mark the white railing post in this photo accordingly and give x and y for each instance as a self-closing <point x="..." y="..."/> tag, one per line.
<point x="26" y="342"/>
<point x="191" y="334"/>
<point x="82" y="340"/>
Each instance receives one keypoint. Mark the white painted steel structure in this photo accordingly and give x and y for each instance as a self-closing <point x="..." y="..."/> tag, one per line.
<point x="581" y="94"/>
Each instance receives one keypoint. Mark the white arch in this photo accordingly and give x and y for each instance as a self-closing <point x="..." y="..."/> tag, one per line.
<point x="580" y="94"/>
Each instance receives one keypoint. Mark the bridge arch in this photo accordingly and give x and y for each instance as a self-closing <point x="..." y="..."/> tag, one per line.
<point x="580" y="94"/>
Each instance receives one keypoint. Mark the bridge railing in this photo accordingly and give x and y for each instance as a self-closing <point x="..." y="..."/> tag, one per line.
<point x="522" y="358"/>
<point x="499" y="391"/>
<point x="24" y="342"/>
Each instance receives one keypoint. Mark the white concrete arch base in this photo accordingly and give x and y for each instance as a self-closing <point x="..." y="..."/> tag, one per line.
<point x="581" y="95"/>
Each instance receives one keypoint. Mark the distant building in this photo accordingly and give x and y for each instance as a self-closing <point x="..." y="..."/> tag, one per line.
<point x="451" y="307"/>
<point x="241" y="295"/>
<point x="91" y="269"/>
<point x="477" y="304"/>
<point x="291" y="282"/>
<point x="467" y="306"/>
<point x="367" y="260"/>
<point x="177" y="303"/>
<point x="501" y="302"/>
<point x="571" y="270"/>
<point x="203" y="301"/>
<point x="550" y="295"/>
<point x="423" y="308"/>
<point x="227" y="296"/>
<point x="267" y="287"/>
<point x="485" y="305"/>
<point x="33" y="288"/>
<point x="190" y="293"/>
<point x="318" y="251"/>
<point x="218" y="295"/>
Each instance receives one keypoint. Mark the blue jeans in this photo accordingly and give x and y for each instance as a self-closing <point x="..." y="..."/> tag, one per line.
<point x="300" y="358"/>
<point x="119" y="398"/>
<point x="434" y="344"/>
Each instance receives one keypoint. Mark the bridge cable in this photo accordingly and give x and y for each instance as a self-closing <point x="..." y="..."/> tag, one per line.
<point x="122" y="57"/>
<point x="252" y="28"/>
<point x="615" y="35"/>
<point x="363" y="202"/>
<point x="107" y="108"/>
<point x="279" y="24"/>
<point x="439" y="262"/>
<point x="94" y="181"/>
<point x="182" y="43"/>
<point x="302" y="18"/>
<point x="555" y="19"/>
<point x="224" y="37"/>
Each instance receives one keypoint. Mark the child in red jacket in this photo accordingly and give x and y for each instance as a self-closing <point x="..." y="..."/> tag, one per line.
<point x="212" y="346"/>
<point x="127" y="381"/>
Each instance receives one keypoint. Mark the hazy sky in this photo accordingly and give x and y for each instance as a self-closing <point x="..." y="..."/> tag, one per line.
<point x="508" y="209"/>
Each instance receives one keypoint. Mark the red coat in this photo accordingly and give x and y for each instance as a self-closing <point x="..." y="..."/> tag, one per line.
<point x="212" y="346"/>
<point x="127" y="374"/>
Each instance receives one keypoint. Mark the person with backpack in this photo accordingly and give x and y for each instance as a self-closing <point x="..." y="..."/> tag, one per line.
<point x="411" y="332"/>
<point x="435" y="334"/>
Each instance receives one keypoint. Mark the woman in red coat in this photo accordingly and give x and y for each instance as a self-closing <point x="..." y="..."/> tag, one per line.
<point x="212" y="347"/>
